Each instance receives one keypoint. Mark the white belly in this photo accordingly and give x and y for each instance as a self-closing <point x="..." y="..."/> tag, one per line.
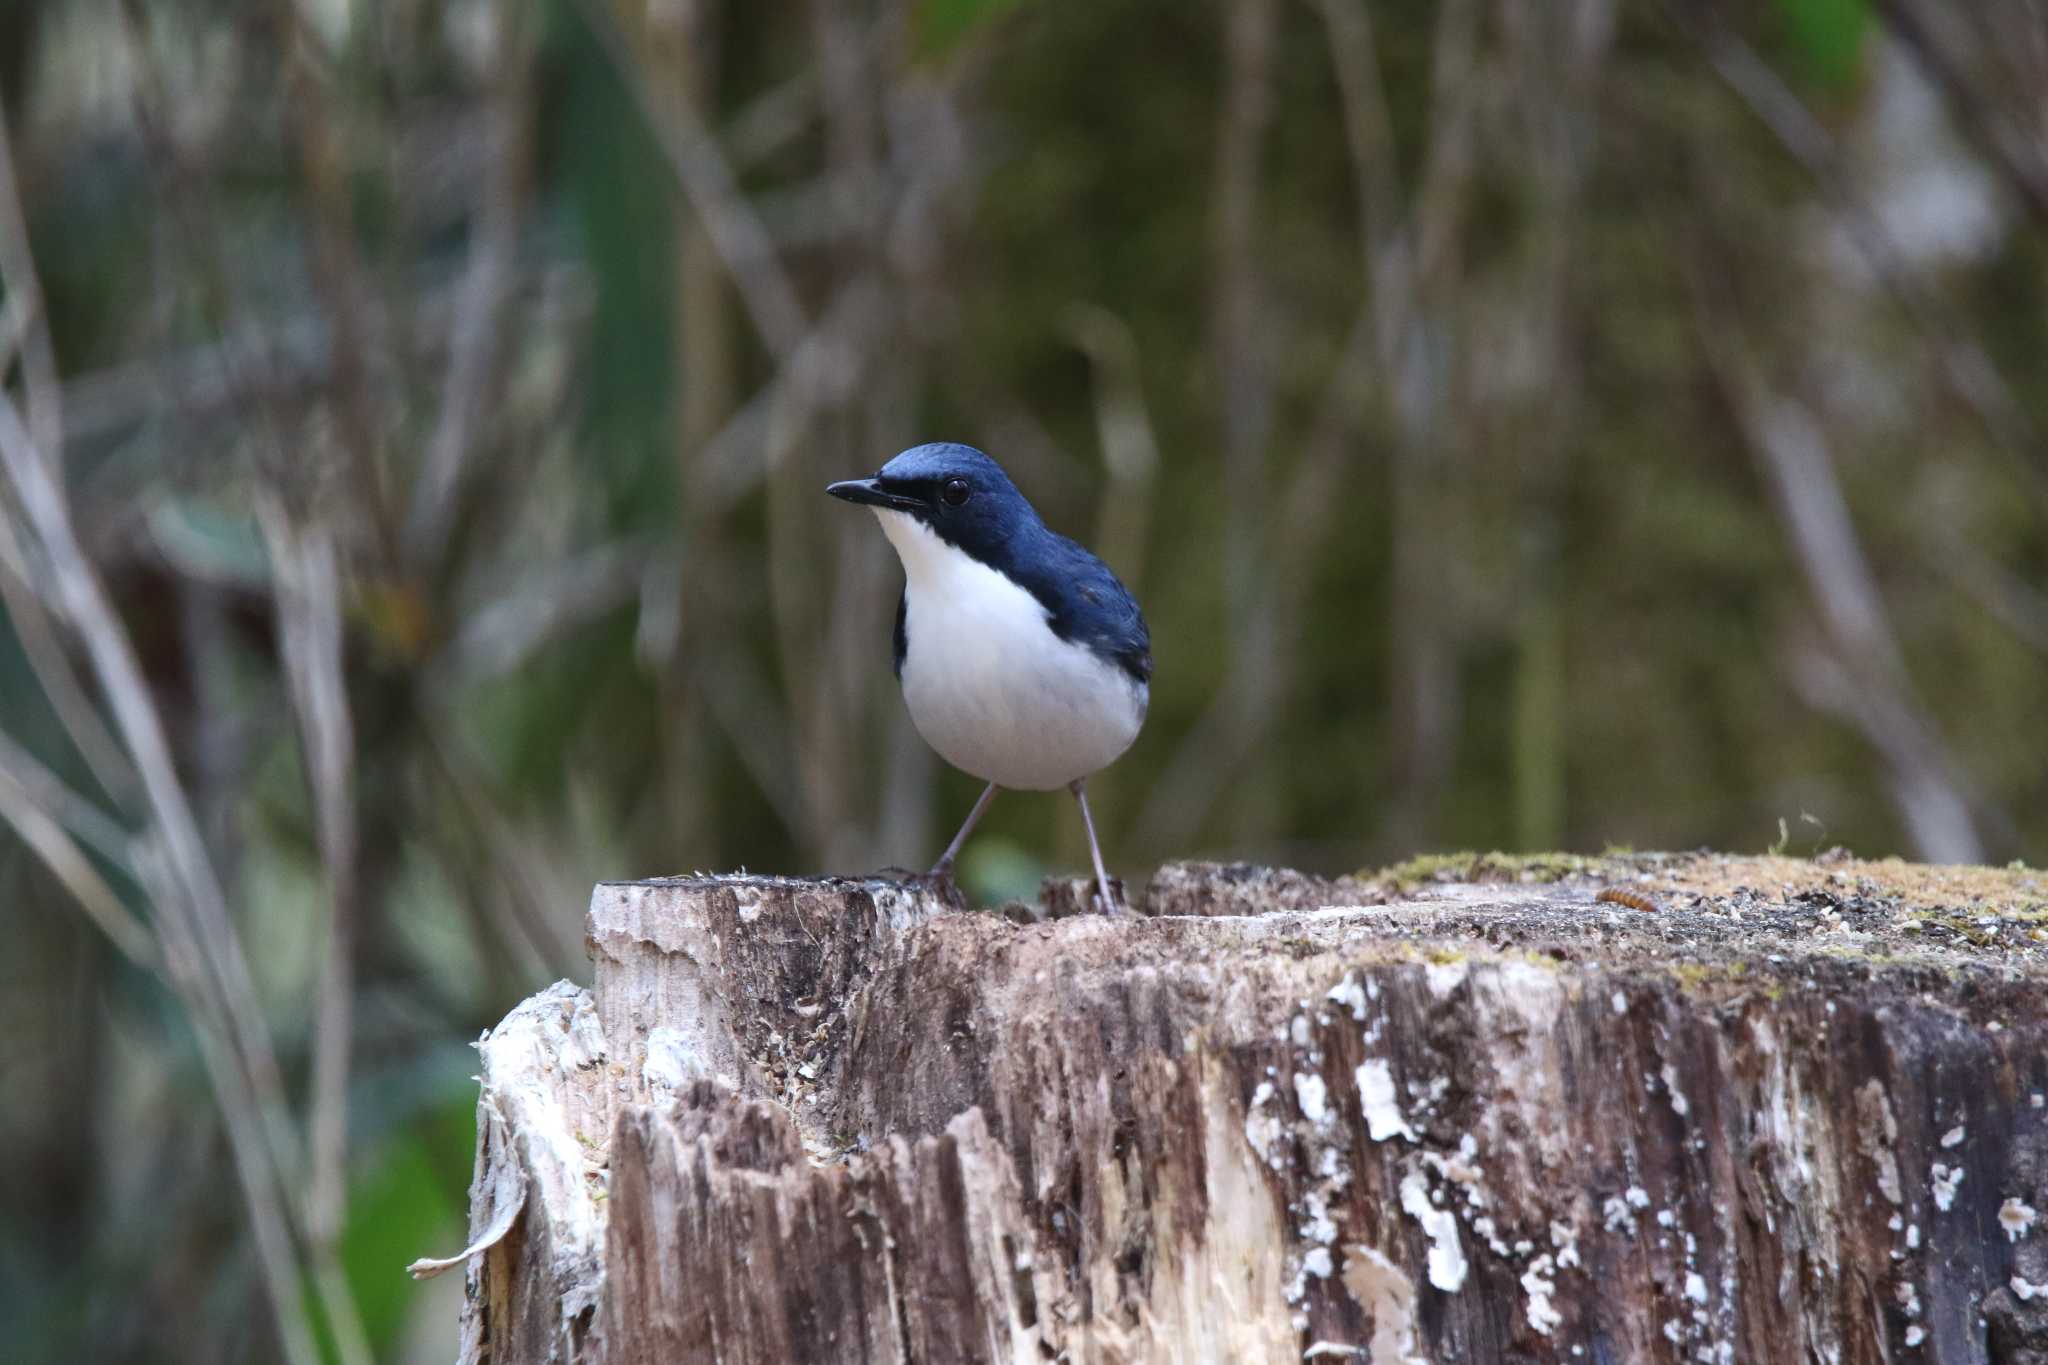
<point x="990" y="686"/>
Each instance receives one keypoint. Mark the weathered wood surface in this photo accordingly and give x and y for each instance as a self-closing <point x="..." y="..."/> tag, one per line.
<point x="1795" y="1111"/>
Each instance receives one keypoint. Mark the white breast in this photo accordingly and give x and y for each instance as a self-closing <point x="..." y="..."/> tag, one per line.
<point x="990" y="686"/>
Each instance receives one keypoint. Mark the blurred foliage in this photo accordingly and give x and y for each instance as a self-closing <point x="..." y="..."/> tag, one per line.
<point x="1447" y="380"/>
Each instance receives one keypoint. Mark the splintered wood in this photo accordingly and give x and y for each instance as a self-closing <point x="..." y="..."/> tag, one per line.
<point x="1796" y="1111"/>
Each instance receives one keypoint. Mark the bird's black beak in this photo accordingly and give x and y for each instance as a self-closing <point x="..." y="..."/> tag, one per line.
<point x="870" y="493"/>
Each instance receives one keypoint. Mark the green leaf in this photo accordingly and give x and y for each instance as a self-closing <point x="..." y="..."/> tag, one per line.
<point x="943" y="24"/>
<point x="1829" y="34"/>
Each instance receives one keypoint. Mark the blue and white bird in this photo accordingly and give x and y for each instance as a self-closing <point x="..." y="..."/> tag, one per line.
<point x="1024" y="661"/>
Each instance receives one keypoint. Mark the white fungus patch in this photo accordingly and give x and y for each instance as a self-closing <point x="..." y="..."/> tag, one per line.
<point x="1618" y="1215"/>
<point x="1565" y="1238"/>
<point x="1679" y="1106"/>
<point x="1943" y="1182"/>
<point x="1620" y="1002"/>
<point x="1913" y="1236"/>
<point x="1539" y="1286"/>
<point x="1954" y="1136"/>
<point x="1444" y="977"/>
<point x="1313" y="1096"/>
<point x="2016" y="1218"/>
<point x="1637" y="1196"/>
<point x="2026" y="1290"/>
<point x="1462" y="1168"/>
<point x="1695" y="1287"/>
<point x="1382" y="1105"/>
<point x="1915" y="1334"/>
<point x="1909" y="1298"/>
<point x="1317" y="1225"/>
<point x="1446" y="1258"/>
<point x="1351" y="995"/>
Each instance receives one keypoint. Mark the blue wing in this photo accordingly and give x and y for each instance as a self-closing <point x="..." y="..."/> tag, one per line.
<point x="1089" y="605"/>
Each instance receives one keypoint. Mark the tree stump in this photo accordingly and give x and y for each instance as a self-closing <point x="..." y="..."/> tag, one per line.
<point x="1637" y="1108"/>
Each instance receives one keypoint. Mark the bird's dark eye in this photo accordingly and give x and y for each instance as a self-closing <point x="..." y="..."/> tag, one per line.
<point x="955" y="492"/>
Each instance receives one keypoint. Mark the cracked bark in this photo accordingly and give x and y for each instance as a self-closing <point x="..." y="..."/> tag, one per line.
<point x="1793" y="1112"/>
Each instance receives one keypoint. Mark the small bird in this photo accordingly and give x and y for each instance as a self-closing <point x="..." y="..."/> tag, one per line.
<point x="1024" y="661"/>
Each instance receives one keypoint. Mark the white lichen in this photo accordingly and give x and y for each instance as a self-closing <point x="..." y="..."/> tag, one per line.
<point x="1382" y="1104"/>
<point x="1351" y="995"/>
<point x="1915" y="1334"/>
<point x="2016" y="1218"/>
<point x="1696" y="1287"/>
<point x="1679" y="1106"/>
<point x="1313" y="1096"/>
<point x="2026" y="1290"/>
<point x="1317" y="1225"/>
<point x="1954" y="1136"/>
<point x="1537" y="1284"/>
<point x="1447" y="1265"/>
<point x="1444" y="977"/>
<point x="1942" y="1185"/>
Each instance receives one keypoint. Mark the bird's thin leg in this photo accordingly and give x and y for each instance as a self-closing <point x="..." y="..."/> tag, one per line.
<point x="1080" y="790"/>
<point x="944" y="867"/>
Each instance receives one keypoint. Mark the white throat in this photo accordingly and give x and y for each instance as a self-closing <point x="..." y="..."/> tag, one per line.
<point x="987" y="682"/>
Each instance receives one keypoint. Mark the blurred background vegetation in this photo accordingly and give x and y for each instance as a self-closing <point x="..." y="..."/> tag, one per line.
<point x="1526" y="424"/>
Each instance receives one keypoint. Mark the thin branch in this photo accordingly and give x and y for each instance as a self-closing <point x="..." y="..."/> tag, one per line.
<point x="308" y="589"/>
<point x="504" y="633"/>
<point x="56" y="677"/>
<point x="2009" y="599"/>
<point x="475" y="340"/>
<point x="1859" y="673"/>
<point x="336" y="275"/>
<point x="51" y="842"/>
<point x="199" y="934"/>
<point x="707" y="180"/>
<point x="81" y="817"/>
<point x="2014" y="151"/>
<point x="1964" y="364"/>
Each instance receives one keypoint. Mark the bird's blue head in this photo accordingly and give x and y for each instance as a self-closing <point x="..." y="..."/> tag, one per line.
<point x="960" y="494"/>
